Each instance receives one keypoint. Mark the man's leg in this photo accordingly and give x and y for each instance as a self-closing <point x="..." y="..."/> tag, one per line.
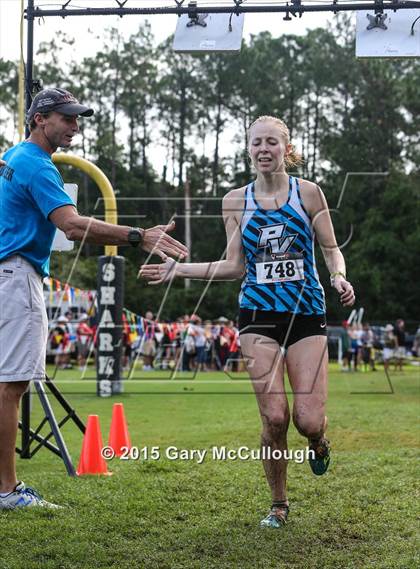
<point x="264" y="362"/>
<point x="13" y="494"/>
<point x="10" y="395"/>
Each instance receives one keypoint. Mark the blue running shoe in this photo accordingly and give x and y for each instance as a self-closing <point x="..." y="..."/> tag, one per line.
<point x="320" y="463"/>
<point x="24" y="497"/>
<point x="276" y="518"/>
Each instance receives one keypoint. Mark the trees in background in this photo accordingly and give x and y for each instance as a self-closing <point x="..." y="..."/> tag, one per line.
<point x="162" y="118"/>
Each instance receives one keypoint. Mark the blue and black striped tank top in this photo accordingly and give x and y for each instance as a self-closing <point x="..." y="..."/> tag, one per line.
<point x="281" y="275"/>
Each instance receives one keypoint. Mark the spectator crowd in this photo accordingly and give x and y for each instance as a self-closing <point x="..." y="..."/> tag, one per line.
<point x="191" y="344"/>
<point x="364" y="346"/>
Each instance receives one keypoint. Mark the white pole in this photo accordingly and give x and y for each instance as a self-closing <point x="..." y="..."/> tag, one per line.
<point x="187" y="200"/>
<point x="352" y="315"/>
<point x="340" y="351"/>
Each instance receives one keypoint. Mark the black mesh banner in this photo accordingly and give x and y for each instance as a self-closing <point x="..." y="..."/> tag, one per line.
<point x="110" y="325"/>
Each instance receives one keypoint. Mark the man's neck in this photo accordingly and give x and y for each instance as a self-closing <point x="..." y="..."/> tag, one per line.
<point x="42" y="141"/>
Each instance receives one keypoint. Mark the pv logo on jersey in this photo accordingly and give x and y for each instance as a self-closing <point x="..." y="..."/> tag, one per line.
<point x="272" y="236"/>
<point x="282" y="266"/>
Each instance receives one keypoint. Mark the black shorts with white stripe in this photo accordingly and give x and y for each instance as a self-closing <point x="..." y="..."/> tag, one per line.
<point x="285" y="328"/>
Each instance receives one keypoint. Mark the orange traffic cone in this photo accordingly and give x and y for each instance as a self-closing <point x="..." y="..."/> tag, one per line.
<point x="91" y="458"/>
<point x="119" y="438"/>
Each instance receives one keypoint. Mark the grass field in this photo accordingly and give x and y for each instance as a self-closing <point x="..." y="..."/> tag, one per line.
<point x="180" y="514"/>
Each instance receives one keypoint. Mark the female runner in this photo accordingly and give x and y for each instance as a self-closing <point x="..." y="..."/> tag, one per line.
<point x="271" y="225"/>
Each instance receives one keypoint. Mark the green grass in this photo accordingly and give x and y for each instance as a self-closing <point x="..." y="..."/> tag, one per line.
<point x="180" y="514"/>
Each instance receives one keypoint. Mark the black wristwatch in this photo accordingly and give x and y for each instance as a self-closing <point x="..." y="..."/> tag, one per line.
<point x="135" y="237"/>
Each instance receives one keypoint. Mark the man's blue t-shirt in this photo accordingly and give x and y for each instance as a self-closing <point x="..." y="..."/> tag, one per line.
<point x="30" y="189"/>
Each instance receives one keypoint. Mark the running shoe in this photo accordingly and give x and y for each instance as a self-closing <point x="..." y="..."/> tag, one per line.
<point x="24" y="497"/>
<point x="319" y="464"/>
<point x="276" y="518"/>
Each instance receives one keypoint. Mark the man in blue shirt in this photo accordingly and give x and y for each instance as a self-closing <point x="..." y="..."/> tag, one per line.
<point x="33" y="204"/>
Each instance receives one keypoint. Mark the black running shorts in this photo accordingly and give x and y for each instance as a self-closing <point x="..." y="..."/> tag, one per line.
<point x="285" y="328"/>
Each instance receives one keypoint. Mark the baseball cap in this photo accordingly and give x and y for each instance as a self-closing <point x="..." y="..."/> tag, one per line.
<point x="58" y="100"/>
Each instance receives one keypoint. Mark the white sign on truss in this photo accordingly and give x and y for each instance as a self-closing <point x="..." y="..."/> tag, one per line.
<point x="392" y="34"/>
<point x="209" y="32"/>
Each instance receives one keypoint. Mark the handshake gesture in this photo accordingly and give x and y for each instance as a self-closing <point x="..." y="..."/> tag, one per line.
<point x="157" y="241"/>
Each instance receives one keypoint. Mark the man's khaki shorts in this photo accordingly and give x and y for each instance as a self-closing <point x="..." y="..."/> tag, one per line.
<point x="23" y="322"/>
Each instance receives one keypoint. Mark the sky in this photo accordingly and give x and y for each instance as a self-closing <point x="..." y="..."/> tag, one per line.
<point x="162" y="26"/>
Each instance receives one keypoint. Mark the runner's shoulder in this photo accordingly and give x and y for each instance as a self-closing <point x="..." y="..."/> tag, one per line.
<point x="236" y="194"/>
<point x="311" y="194"/>
<point x="234" y="201"/>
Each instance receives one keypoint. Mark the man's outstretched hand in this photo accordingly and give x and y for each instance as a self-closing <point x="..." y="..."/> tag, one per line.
<point x="157" y="241"/>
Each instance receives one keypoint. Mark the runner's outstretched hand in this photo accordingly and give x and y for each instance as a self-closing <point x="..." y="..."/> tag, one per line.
<point x="159" y="273"/>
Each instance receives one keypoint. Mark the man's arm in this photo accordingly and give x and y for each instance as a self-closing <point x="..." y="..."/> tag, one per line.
<point x="78" y="227"/>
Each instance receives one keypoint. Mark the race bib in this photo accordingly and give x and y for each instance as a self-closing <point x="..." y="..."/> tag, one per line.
<point x="278" y="268"/>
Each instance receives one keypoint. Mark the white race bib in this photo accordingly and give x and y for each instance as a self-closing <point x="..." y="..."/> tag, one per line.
<point x="282" y="268"/>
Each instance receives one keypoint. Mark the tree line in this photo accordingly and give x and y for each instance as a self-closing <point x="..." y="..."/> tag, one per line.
<point x="356" y="123"/>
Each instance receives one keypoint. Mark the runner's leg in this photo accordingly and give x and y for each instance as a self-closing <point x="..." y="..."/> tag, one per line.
<point x="307" y="366"/>
<point x="265" y="364"/>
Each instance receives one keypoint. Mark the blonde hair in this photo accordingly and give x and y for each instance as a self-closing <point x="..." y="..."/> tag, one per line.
<point x="293" y="158"/>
